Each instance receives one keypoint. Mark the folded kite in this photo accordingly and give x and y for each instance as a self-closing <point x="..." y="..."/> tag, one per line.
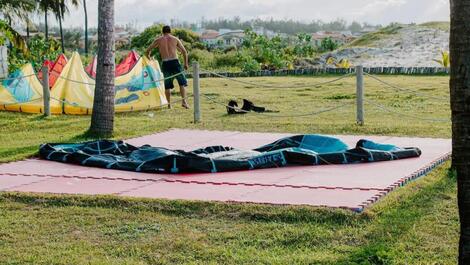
<point x="291" y="151"/>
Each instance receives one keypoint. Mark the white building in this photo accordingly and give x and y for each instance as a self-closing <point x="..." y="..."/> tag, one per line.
<point x="222" y="38"/>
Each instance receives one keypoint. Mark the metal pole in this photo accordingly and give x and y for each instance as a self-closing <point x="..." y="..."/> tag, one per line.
<point x="360" y="94"/>
<point x="45" y="91"/>
<point x="197" y="104"/>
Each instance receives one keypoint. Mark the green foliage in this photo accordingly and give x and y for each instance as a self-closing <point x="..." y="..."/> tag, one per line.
<point x="444" y="25"/>
<point x="249" y="64"/>
<point x="72" y="39"/>
<point x="290" y="26"/>
<point x="256" y="52"/>
<point x="142" y="41"/>
<point x="445" y="59"/>
<point x="304" y="46"/>
<point x="327" y="44"/>
<point x="270" y="53"/>
<point x="17" y="9"/>
<point x="39" y="51"/>
<point x="370" y="39"/>
<point x="203" y="57"/>
<point x="226" y="59"/>
<point x="8" y="33"/>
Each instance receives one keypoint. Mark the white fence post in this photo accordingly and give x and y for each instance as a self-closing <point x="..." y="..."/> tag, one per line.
<point x="197" y="103"/>
<point x="360" y="94"/>
<point x="45" y="91"/>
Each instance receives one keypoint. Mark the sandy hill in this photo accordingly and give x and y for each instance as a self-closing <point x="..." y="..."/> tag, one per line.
<point x="397" y="45"/>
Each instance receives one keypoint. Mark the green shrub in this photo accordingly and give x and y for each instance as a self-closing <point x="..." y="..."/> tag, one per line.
<point x="40" y="50"/>
<point x="327" y="44"/>
<point x="142" y="41"/>
<point x="203" y="57"/>
<point x="229" y="59"/>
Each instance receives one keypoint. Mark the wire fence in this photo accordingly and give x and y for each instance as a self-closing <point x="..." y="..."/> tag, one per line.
<point x="407" y="90"/>
<point x="16" y="78"/>
<point x="153" y="82"/>
<point x="317" y="85"/>
<point x="279" y="115"/>
<point x="333" y="108"/>
<point x="294" y="111"/>
<point x="20" y="102"/>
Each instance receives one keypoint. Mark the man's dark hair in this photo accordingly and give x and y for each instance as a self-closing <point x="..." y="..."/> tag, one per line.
<point x="166" y="29"/>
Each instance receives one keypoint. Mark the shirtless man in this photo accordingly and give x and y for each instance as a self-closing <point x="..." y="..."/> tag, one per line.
<point x="167" y="45"/>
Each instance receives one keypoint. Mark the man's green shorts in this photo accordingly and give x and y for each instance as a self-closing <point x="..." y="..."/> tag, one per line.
<point x="171" y="68"/>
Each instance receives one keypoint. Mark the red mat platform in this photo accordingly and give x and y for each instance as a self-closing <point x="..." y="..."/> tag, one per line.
<point x="345" y="186"/>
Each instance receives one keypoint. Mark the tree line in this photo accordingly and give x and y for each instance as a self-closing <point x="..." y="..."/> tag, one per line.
<point x="289" y="26"/>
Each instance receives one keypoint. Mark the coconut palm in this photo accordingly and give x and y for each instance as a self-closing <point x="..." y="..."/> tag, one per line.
<point x="16" y="9"/>
<point x="459" y="98"/>
<point x="47" y="6"/>
<point x="86" y="26"/>
<point x="102" y="118"/>
<point x="11" y="10"/>
<point x="14" y="37"/>
<point x="60" y="8"/>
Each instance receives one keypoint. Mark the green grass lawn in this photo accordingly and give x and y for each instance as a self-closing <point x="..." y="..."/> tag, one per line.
<point x="417" y="224"/>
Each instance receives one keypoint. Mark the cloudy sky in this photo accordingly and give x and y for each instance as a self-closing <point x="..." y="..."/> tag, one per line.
<point x="146" y="12"/>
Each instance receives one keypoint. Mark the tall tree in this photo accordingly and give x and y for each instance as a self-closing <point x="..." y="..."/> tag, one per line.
<point x="102" y="118"/>
<point x="60" y="16"/>
<point x="60" y="9"/>
<point x="18" y="9"/>
<point x="45" y="6"/>
<point x="460" y="105"/>
<point x="86" y="26"/>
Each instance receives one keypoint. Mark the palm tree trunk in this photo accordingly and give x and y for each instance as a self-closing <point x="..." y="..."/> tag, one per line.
<point x="61" y="35"/>
<point x="46" y="29"/>
<point x="27" y="30"/>
<point x="86" y="26"/>
<point x="460" y="105"/>
<point x="102" y="119"/>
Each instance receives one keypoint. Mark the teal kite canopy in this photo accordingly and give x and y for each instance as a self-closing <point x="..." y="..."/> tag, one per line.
<point x="290" y="151"/>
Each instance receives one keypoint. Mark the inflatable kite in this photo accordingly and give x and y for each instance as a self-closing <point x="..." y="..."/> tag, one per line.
<point x="290" y="151"/>
<point x="141" y="88"/>
<point x="55" y="69"/>
<point x="121" y="69"/>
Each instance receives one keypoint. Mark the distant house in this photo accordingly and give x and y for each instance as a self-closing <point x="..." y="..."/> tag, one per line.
<point x="209" y="37"/>
<point x="122" y="37"/>
<point x="339" y="38"/>
<point x="222" y="38"/>
<point x="231" y="38"/>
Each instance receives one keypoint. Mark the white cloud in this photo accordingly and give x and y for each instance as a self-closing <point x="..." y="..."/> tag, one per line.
<point x="145" y="12"/>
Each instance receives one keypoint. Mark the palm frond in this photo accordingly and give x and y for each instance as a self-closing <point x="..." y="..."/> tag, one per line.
<point x="14" y="37"/>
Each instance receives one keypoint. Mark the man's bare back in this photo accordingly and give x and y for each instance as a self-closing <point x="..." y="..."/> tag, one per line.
<point x="168" y="45"/>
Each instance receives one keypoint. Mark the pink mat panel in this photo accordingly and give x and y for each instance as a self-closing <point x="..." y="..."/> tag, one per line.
<point x="344" y="186"/>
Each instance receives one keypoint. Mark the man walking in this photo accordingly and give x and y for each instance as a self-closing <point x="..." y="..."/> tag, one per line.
<point x="167" y="45"/>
